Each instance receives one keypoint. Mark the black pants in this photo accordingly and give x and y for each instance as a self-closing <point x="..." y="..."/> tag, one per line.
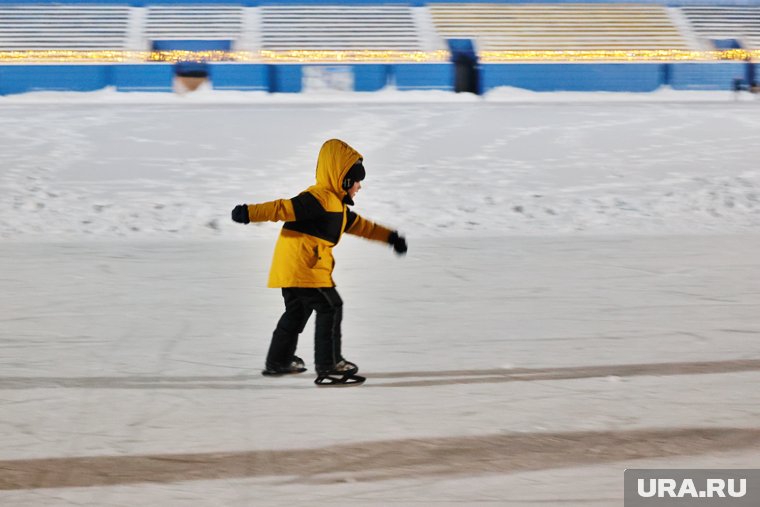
<point x="299" y="304"/>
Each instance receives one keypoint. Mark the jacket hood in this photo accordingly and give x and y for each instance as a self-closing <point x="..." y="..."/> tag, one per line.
<point x="335" y="159"/>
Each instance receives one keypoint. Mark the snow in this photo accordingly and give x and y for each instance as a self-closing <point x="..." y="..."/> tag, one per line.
<point x="580" y="297"/>
<point x="172" y="165"/>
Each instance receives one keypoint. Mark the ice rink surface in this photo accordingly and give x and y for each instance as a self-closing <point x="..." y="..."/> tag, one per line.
<point x="581" y="296"/>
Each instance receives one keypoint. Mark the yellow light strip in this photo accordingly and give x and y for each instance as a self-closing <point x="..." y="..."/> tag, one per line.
<point x="367" y="56"/>
<point x="354" y="56"/>
<point x="614" y="55"/>
<point x="199" y="56"/>
<point x="308" y="56"/>
<point x="62" y="55"/>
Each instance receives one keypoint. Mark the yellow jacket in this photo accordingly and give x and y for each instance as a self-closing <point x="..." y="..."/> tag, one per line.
<point x="315" y="220"/>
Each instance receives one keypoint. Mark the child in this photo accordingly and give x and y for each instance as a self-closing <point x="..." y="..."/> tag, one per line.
<point x="303" y="262"/>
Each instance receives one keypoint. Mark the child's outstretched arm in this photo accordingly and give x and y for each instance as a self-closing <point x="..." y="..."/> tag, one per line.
<point x="302" y="207"/>
<point x="280" y="210"/>
<point x="359" y="226"/>
<point x="272" y="211"/>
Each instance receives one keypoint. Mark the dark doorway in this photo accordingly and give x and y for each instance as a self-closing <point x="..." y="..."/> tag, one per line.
<point x="466" y="68"/>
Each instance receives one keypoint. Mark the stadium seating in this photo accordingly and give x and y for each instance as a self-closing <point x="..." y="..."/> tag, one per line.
<point x="716" y="22"/>
<point x="288" y="47"/>
<point x="193" y="22"/>
<point x="560" y="26"/>
<point x="64" y="27"/>
<point x="333" y="28"/>
<point x="273" y="28"/>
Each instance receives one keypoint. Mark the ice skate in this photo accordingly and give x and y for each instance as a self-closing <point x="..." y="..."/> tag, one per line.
<point x="346" y="367"/>
<point x="342" y="374"/>
<point x="296" y="365"/>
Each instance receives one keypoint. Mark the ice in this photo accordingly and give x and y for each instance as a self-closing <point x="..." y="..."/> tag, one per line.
<point x="580" y="297"/>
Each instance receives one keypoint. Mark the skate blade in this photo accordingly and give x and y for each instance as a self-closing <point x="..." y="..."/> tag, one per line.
<point x="340" y="381"/>
<point x="269" y="373"/>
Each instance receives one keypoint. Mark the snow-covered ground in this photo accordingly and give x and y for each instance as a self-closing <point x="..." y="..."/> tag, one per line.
<point x="580" y="297"/>
<point x="99" y="166"/>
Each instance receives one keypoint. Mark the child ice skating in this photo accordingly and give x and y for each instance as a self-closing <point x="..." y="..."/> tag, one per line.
<point x="303" y="262"/>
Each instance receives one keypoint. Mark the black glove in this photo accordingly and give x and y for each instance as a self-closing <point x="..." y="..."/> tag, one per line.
<point x="398" y="243"/>
<point x="240" y="214"/>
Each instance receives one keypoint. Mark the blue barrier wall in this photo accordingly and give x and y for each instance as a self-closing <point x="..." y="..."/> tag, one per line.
<point x="85" y="78"/>
<point x="371" y="77"/>
<point x="288" y="78"/>
<point x="706" y="76"/>
<point x="239" y="76"/>
<point x="27" y="78"/>
<point x="424" y="76"/>
<point x="285" y="78"/>
<point x="157" y="77"/>
<point x="549" y="77"/>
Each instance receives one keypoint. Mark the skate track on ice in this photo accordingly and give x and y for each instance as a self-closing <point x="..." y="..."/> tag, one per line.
<point x="584" y="299"/>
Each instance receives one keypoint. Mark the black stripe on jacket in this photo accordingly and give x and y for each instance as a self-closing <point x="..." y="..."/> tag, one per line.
<point x="312" y="219"/>
<point x="350" y="219"/>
